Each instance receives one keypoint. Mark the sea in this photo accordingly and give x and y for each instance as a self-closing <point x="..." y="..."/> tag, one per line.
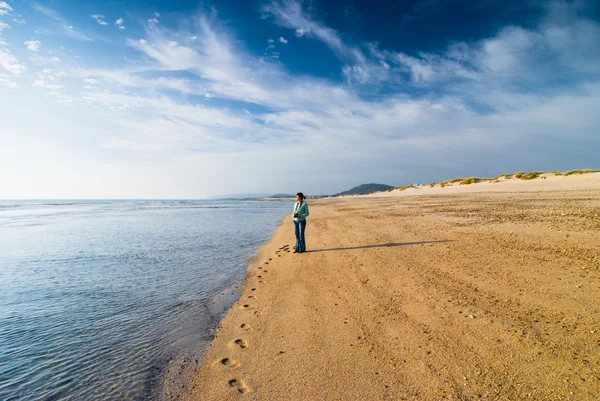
<point x="98" y="297"/>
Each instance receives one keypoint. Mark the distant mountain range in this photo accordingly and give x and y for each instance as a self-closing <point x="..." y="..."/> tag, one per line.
<point x="365" y="189"/>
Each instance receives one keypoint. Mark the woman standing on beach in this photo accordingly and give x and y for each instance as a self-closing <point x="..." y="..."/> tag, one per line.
<point x="300" y="214"/>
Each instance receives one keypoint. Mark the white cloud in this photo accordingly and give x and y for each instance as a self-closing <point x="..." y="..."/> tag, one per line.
<point x="156" y="15"/>
<point x="40" y="83"/>
<point x="283" y="40"/>
<point x="289" y="14"/>
<point x="3" y="26"/>
<point x="5" y="8"/>
<point x="153" y="21"/>
<point x="48" y="12"/>
<point x="33" y="45"/>
<point x="271" y="40"/>
<point x="74" y="34"/>
<point x="91" y="81"/>
<point x="99" y="19"/>
<point x="9" y="83"/>
<point x="119" y="23"/>
<point x="359" y="68"/>
<point x="210" y="58"/>
<point x="301" y="32"/>
<point x="66" y="28"/>
<point x="51" y="74"/>
<point x="10" y="63"/>
<point x="18" y="21"/>
<point x="60" y="97"/>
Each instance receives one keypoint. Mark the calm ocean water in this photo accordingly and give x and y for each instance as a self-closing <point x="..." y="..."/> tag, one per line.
<point x="96" y="296"/>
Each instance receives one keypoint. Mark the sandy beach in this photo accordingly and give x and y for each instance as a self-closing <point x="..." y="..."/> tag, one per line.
<point x="489" y="291"/>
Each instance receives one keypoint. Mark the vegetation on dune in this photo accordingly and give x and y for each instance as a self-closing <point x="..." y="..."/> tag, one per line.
<point x="403" y="188"/>
<point x="532" y="175"/>
<point x="518" y="175"/>
<point x="450" y="182"/>
<point x="470" y="180"/>
<point x="577" y="172"/>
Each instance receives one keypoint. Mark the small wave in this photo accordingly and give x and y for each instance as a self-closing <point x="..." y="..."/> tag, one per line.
<point x="13" y="206"/>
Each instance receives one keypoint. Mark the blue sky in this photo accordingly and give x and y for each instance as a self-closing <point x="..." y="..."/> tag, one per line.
<point x="187" y="99"/>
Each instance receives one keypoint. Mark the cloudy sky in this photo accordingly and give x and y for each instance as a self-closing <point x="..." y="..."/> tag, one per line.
<point x="188" y="99"/>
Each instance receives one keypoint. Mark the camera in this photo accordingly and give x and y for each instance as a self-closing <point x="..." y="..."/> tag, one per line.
<point x="296" y="215"/>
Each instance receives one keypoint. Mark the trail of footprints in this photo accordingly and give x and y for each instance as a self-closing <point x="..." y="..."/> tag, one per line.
<point x="240" y="385"/>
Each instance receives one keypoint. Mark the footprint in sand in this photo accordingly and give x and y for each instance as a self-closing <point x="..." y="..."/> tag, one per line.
<point x="230" y="363"/>
<point x="238" y="385"/>
<point x="240" y="342"/>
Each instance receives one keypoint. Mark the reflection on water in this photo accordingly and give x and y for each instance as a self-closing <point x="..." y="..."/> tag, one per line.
<point x="95" y="296"/>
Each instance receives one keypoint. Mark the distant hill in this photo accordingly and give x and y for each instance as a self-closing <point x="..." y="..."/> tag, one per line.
<point x="365" y="189"/>
<point x="281" y="196"/>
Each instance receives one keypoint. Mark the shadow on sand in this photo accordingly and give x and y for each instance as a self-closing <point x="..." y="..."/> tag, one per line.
<point x="381" y="245"/>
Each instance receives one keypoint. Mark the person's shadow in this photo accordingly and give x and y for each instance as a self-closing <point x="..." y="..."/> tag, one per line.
<point x="380" y="245"/>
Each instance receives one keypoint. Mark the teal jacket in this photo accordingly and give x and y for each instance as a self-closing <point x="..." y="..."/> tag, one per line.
<point x="302" y="211"/>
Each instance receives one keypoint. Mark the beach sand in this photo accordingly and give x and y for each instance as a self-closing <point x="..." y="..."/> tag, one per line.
<point x="470" y="295"/>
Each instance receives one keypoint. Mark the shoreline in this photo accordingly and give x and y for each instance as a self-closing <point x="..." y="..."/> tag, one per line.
<point x="179" y="368"/>
<point x="493" y="309"/>
<point x="177" y="372"/>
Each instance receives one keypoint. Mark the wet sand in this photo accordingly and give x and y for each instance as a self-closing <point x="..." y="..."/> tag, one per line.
<point x="457" y="296"/>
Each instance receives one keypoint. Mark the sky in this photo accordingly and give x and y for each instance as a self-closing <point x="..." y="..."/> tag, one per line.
<point x="187" y="99"/>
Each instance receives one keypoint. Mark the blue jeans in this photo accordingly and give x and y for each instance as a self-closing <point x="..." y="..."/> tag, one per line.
<point x="299" y="228"/>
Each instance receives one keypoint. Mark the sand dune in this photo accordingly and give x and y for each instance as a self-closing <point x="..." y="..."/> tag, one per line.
<point x="549" y="182"/>
<point x="460" y="296"/>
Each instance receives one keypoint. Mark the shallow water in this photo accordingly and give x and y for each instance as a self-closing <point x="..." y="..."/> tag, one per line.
<point x="96" y="296"/>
